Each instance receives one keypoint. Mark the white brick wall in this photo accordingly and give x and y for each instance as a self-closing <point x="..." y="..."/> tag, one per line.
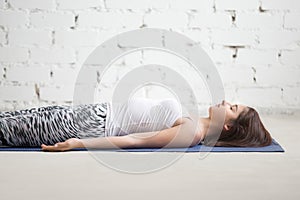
<point x="76" y="38"/>
<point x="53" y="55"/>
<point x="138" y="4"/>
<point x="233" y="37"/>
<point x="79" y="4"/>
<point x="219" y="20"/>
<point x="259" y="21"/>
<point x="290" y="57"/>
<point x="56" y="93"/>
<point x="52" y="20"/>
<point x="33" y="4"/>
<point x="13" y="54"/>
<point x="2" y="72"/>
<point x="109" y="20"/>
<point x="291" y="95"/>
<point x="255" y="45"/>
<point x="236" y="5"/>
<point x="257" y="57"/>
<point x="11" y="19"/>
<point x="2" y="4"/>
<point x="288" y="5"/>
<point x="278" y="76"/>
<point x="263" y="97"/>
<point x="291" y="21"/>
<point x="17" y="93"/>
<point x="166" y="19"/>
<point x="28" y="74"/>
<point x="200" y="5"/>
<point x="283" y="39"/>
<point x="29" y="37"/>
<point x="2" y="37"/>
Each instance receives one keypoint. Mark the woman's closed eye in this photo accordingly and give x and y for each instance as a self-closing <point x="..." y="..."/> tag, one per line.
<point x="236" y="108"/>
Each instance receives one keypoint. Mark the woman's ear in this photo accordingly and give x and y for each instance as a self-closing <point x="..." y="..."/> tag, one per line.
<point x="226" y="127"/>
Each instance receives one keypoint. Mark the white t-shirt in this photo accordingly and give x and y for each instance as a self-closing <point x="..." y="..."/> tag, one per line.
<point x="142" y="115"/>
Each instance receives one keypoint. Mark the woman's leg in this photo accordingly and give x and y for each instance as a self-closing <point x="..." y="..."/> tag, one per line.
<point x="52" y="124"/>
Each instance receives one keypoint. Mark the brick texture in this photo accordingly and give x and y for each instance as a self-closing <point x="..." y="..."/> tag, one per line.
<point x="253" y="44"/>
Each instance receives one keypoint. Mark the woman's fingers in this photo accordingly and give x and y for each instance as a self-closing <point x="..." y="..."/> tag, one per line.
<point x="61" y="146"/>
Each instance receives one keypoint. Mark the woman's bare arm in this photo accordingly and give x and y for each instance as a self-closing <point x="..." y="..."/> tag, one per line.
<point x="180" y="135"/>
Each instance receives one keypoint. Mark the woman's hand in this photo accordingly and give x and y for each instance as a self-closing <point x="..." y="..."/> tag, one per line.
<point x="63" y="146"/>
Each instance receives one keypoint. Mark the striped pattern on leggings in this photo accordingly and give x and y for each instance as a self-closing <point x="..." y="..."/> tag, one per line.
<point x="52" y="124"/>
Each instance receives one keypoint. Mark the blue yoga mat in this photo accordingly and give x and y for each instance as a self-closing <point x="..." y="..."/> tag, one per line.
<point x="274" y="147"/>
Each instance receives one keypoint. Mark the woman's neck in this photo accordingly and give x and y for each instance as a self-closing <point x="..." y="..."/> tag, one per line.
<point x="204" y="125"/>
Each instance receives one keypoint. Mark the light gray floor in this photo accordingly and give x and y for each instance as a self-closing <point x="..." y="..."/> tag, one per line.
<point x="78" y="175"/>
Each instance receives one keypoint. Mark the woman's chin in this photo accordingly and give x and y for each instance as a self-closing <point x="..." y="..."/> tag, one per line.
<point x="210" y="110"/>
<point x="215" y="111"/>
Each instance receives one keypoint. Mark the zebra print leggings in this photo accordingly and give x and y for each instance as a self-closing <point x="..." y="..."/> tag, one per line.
<point x="52" y="124"/>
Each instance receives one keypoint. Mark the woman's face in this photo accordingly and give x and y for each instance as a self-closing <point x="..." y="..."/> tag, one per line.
<point x="232" y="111"/>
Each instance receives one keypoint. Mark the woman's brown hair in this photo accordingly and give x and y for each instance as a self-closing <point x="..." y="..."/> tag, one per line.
<point x="245" y="131"/>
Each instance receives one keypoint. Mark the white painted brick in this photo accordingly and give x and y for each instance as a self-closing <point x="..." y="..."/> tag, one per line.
<point x="262" y="97"/>
<point x="12" y="54"/>
<point x="201" y="36"/>
<point x="33" y="4"/>
<point x="137" y="4"/>
<point x="13" y="18"/>
<point x="236" y="75"/>
<point x="22" y="37"/>
<point x="110" y="77"/>
<point x="156" y="39"/>
<point x="236" y="4"/>
<point x="140" y="93"/>
<point x="278" y="39"/>
<point x="290" y="57"/>
<point x="83" y="53"/>
<point x="201" y="5"/>
<point x="17" y="93"/>
<point x="54" y="55"/>
<point x="162" y="58"/>
<point x="212" y="20"/>
<point x="2" y="37"/>
<point x="271" y="41"/>
<point x="280" y="5"/>
<point x="64" y="76"/>
<point x="110" y="20"/>
<point x="252" y="57"/>
<point x="274" y="76"/>
<point x="166" y="19"/>
<point x="259" y="21"/>
<point x="173" y="63"/>
<point x="105" y="35"/>
<point x="89" y="73"/>
<point x="291" y="96"/>
<point x="220" y="55"/>
<point x="76" y="38"/>
<point x="130" y="61"/>
<point x="158" y="92"/>
<point x="56" y="20"/>
<point x="32" y="73"/>
<point x="231" y="95"/>
<point x="79" y="4"/>
<point x="2" y="4"/>
<point x="233" y="37"/>
<point x="292" y="21"/>
<point x="57" y="93"/>
<point x="2" y="72"/>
